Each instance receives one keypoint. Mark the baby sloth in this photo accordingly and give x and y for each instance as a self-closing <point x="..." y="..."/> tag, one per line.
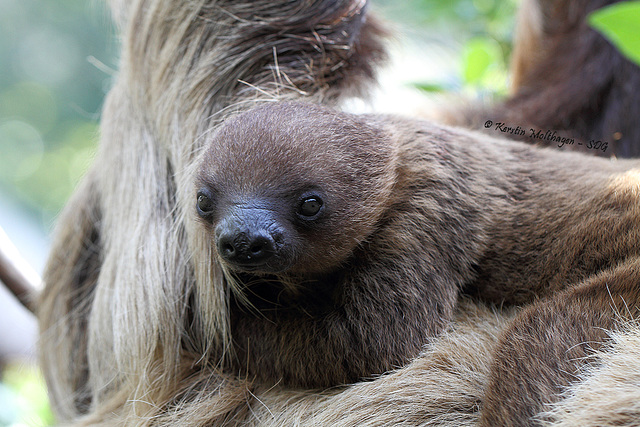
<point x="347" y="239"/>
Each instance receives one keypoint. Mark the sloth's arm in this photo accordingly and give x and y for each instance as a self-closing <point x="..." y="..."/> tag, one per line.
<point x="543" y="350"/>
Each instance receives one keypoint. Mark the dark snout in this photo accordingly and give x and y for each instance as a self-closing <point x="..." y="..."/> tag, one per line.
<point x="246" y="246"/>
<point x="251" y="239"/>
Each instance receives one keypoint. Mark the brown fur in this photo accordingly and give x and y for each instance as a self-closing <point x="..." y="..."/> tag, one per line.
<point x="443" y="386"/>
<point x="372" y="279"/>
<point x="566" y="78"/>
<point x="579" y="84"/>
<point x="413" y="209"/>
<point x="548" y="345"/>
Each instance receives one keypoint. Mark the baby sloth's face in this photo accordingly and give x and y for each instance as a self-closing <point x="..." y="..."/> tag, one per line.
<point x="293" y="188"/>
<point x="261" y="233"/>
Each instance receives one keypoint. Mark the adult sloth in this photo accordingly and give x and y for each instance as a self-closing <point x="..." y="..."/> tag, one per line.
<point x="130" y="307"/>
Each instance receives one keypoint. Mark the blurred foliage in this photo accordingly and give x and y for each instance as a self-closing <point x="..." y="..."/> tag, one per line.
<point x="23" y="399"/>
<point x="50" y="96"/>
<point x="51" y="91"/>
<point x="481" y="31"/>
<point x="620" y="23"/>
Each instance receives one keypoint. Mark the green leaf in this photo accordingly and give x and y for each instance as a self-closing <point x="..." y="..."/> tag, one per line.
<point x="479" y="55"/>
<point x="430" y="87"/>
<point x="620" y="23"/>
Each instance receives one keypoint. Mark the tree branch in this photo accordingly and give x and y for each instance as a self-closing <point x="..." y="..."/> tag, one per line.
<point x="17" y="275"/>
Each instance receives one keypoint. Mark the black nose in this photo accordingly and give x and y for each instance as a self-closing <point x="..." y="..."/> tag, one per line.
<point x="246" y="247"/>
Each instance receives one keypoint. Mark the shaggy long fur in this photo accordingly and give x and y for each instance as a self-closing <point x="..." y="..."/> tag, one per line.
<point x="127" y="266"/>
<point x="114" y="331"/>
<point x="608" y="394"/>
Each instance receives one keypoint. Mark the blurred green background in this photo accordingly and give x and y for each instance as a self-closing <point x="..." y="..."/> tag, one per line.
<point x="57" y="60"/>
<point x="52" y="82"/>
<point x="477" y="33"/>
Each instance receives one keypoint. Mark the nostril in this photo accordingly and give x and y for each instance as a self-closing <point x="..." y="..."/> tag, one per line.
<point x="226" y="246"/>
<point x="260" y="246"/>
<point x="228" y="249"/>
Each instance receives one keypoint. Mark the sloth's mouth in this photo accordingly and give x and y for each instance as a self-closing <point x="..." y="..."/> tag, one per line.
<point x="262" y="290"/>
<point x="273" y="266"/>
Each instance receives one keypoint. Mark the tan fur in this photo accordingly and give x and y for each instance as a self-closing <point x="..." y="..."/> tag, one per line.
<point x="607" y="393"/>
<point x="527" y="42"/>
<point x="128" y="262"/>
<point x="442" y="387"/>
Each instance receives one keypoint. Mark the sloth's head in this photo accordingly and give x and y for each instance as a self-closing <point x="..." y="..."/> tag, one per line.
<point x="291" y="188"/>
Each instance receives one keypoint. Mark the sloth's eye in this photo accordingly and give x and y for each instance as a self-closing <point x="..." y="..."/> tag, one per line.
<point x="204" y="204"/>
<point x="310" y="206"/>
